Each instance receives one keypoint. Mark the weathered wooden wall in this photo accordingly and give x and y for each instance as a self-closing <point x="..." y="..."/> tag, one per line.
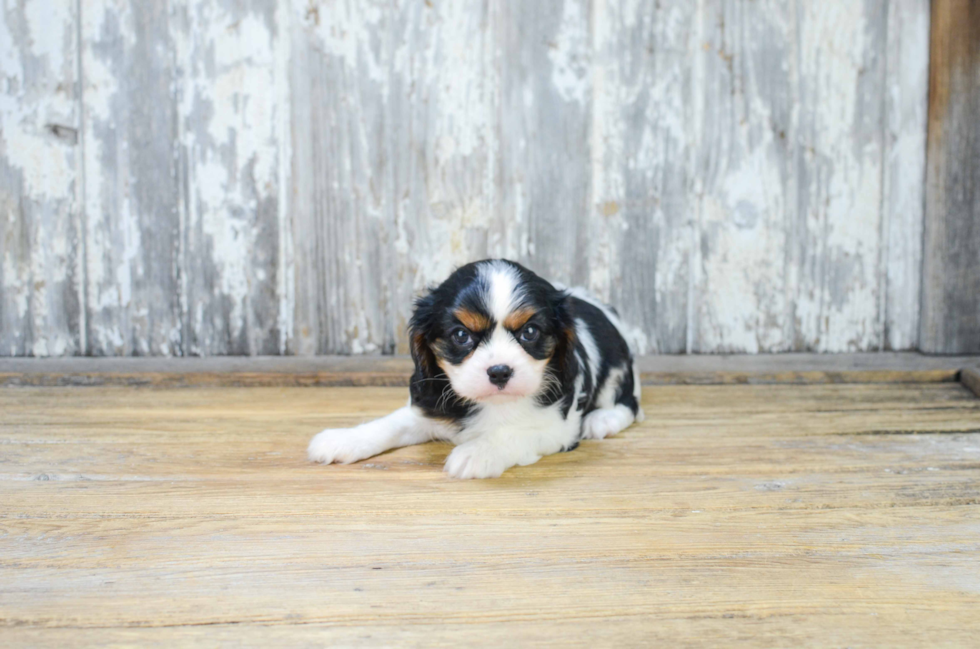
<point x="253" y="177"/>
<point x="951" y="269"/>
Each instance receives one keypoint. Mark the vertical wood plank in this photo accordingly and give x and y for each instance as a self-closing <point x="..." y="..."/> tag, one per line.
<point x="441" y="125"/>
<point x="40" y="307"/>
<point x="836" y="238"/>
<point x="903" y="208"/>
<point x="392" y="133"/>
<point x="338" y="86"/>
<point x="745" y="178"/>
<point x="642" y="214"/>
<point x="131" y="181"/>
<point x="545" y="59"/>
<point x="229" y="107"/>
<point x="951" y="264"/>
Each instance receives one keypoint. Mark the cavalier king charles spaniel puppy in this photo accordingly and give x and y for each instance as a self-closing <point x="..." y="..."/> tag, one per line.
<point x="508" y="368"/>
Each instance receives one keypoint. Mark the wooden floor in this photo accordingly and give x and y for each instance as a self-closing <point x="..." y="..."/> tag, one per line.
<point x="772" y="515"/>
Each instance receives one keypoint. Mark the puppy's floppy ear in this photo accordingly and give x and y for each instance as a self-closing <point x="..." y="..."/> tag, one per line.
<point x="419" y="329"/>
<point x="564" y="322"/>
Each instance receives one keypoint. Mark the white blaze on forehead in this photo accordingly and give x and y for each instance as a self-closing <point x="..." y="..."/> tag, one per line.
<point x="503" y="288"/>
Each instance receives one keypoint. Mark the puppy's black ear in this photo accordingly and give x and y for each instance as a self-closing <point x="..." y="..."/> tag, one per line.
<point x="419" y="330"/>
<point x="563" y="360"/>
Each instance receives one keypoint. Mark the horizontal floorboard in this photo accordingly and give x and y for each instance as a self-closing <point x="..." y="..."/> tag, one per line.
<point x="325" y="371"/>
<point x="756" y="514"/>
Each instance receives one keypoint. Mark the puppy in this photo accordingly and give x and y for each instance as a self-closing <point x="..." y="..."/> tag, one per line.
<point x="509" y="369"/>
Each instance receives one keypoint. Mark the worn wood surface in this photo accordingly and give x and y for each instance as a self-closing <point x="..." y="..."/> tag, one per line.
<point x="283" y="176"/>
<point x="41" y="307"/>
<point x="951" y="269"/>
<point x="970" y="377"/>
<point x="131" y="192"/>
<point x="799" y="369"/>
<point x="759" y="515"/>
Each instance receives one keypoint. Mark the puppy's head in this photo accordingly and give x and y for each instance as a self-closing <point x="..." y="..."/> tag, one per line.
<point x="496" y="331"/>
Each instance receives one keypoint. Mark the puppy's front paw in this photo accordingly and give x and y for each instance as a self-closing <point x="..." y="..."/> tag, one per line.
<point x="481" y="460"/>
<point x="600" y="424"/>
<point x="475" y="460"/>
<point x="340" y="445"/>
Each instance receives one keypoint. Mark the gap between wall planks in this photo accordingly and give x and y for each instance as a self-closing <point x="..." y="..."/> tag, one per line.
<point x="393" y="371"/>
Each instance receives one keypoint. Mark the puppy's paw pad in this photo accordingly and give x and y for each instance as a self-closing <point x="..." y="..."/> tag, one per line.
<point x="475" y="461"/>
<point x="334" y="445"/>
<point x="601" y="424"/>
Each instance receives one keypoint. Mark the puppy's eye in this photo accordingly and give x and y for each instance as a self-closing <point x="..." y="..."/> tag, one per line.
<point x="530" y="334"/>
<point x="462" y="337"/>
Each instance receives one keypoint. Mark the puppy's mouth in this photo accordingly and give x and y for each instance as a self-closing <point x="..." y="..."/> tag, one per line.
<point x="493" y="394"/>
<point x="501" y="396"/>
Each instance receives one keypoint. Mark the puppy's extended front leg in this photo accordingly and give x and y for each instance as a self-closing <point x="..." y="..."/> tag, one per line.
<point x="404" y="427"/>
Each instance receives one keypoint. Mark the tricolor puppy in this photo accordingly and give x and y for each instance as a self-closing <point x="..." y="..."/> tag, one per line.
<point x="509" y="369"/>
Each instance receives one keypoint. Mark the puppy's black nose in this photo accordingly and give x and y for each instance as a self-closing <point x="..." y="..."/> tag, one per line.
<point x="499" y="375"/>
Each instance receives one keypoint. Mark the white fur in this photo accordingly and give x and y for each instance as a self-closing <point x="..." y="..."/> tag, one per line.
<point x="604" y="422"/>
<point x="501" y="436"/>
<point x="504" y="292"/>
<point x="405" y="427"/>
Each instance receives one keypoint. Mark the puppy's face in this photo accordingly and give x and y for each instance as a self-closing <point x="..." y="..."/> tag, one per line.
<point x="493" y="328"/>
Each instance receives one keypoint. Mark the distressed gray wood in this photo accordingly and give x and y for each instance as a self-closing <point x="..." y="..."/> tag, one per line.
<point x="744" y="141"/>
<point x="951" y="265"/>
<point x="338" y="81"/>
<point x="835" y="238"/>
<point x="40" y="306"/>
<point x="231" y="88"/>
<point x="284" y="176"/>
<point x="903" y="208"/>
<point x="132" y="185"/>
<point x="543" y="130"/>
<point x="442" y="159"/>
<point x="643" y="130"/>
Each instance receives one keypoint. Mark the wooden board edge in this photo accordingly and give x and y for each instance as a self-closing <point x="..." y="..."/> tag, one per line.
<point x="970" y="378"/>
<point x="401" y="379"/>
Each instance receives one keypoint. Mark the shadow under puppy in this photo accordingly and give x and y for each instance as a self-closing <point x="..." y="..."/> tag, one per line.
<point x="508" y="368"/>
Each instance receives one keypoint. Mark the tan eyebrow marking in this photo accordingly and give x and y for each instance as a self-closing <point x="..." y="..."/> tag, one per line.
<point x="471" y="320"/>
<point x="518" y="319"/>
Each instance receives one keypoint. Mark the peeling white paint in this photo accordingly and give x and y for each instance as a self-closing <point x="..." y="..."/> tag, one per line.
<point x="752" y="169"/>
<point x="571" y="54"/>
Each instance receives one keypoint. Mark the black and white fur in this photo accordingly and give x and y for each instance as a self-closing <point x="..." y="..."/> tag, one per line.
<point x="508" y="368"/>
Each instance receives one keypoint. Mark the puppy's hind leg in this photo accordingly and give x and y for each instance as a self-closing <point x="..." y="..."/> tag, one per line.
<point x="604" y="422"/>
<point x="404" y="427"/>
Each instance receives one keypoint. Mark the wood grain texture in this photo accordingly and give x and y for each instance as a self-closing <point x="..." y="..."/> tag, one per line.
<point x="825" y="515"/>
<point x="970" y="377"/>
<point x="906" y="110"/>
<point x="230" y="105"/>
<point x="132" y="226"/>
<point x="798" y="369"/>
<point x="40" y="305"/>
<point x="951" y="267"/>
<point x="645" y="87"/>
<point x="284" y="176"/>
